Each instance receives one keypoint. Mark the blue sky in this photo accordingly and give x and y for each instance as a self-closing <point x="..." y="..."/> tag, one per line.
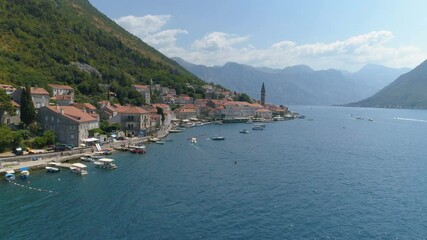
<point x="342" y="34"/>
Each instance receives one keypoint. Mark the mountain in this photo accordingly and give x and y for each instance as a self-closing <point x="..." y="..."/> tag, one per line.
<point x="71" y="42"/>
<point x="407" y="91"/>
<point x="375" y="77"/>
<point x="298" y="85"/>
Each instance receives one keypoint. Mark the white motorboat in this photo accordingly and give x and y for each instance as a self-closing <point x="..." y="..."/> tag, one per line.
<point x="52" y="169"/>
<point x="106" y="163"/>
<point x="193" y="140"/>
<point x="24" y="173"/>
<point x="78" y="168"/>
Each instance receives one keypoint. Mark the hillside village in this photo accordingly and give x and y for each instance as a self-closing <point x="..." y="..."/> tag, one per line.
<point x="74" y="122"/>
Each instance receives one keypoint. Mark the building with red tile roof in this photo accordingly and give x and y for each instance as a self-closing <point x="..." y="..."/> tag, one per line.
<point x="8" y="88"/>
<point x="70" y="124"/>
<point x="39" y="96"/>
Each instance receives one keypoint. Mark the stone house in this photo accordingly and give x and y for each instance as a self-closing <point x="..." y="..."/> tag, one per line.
<point x="144" y="90"/>
<point x="62" y="94"/>
<point x="7" y="119"/>
<point x="134" y="120"/>
<point x="39" y="96"/>
<point x="70" y="124"/>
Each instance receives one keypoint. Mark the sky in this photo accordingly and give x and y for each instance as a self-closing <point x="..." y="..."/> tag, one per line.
<point x="323" y="34"/>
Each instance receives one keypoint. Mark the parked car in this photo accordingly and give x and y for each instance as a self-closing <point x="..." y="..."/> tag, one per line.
<point x="61" y="147"/>
<point x="18" y="151"/>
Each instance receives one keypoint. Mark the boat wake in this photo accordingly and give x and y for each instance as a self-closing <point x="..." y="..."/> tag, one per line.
<point x="410" y="119"/>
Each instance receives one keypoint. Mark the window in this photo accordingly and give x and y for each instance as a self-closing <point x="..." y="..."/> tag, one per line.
<point x="72" y="136"/>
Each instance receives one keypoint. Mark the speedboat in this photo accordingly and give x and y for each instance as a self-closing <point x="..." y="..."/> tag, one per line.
<point x="194" y="140"/>
<point x="10" y="175"/>
<point x="160" y="142"/>
<point x="106" y="163"/>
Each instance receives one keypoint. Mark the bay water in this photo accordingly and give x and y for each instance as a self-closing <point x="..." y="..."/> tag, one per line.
<point x="332" y="175"/>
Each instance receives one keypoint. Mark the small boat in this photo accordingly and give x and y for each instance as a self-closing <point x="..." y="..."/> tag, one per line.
<point x="249" y="121"/>
<point x="193" y="140"/>
<point x="106" y="163"/>
<point x="278" y="118"/>
<point x="175" y="130"/>
<point x="301" y="117"/>
<point x="169" y="140"/>
<point x="78" y="168"/>
<point x="244" y="131"/>
<point x="10" y="175"/>
<point x="24" y="173"/>
<point x="87" y="158"/>
<point x="370" y="120"/>
<point x="257" y="127"/>
<point x="160" y="142"/>
<point x="137" y="150"/>
<point x="52" y="169"/>
<point x="154" y="140"/>
<point x="218" y="138"/>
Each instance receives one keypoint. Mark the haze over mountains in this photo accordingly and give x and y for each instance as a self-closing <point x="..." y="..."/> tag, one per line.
<point x="407" y="91"/>
<point x="298" y="85"/>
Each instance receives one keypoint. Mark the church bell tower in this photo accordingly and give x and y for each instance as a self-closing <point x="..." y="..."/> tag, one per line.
<point x="263" y="95"/>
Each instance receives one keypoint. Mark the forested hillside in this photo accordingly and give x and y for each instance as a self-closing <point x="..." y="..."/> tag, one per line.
<point x="70" y="42"/>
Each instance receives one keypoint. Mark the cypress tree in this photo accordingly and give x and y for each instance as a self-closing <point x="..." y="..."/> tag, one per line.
<point x="28" y="112"/>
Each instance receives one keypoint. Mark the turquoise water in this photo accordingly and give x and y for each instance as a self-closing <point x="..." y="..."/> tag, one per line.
<point x="328" y="176"/>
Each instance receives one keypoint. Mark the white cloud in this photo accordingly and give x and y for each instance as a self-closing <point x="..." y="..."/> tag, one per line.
<point x="143" y="26"/>
<point x="218" y="41"/>
<point x="217" y="48"/>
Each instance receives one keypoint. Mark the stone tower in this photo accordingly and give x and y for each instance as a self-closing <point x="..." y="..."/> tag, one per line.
<point x="263" y="95"/>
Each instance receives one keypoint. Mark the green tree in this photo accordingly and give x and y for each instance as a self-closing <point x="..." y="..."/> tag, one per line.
<point x="245" y="98"/>
<point x="5" y="103"/>
<point x="28" y="112"/>
<point x="160" y="111"/>
<point x="49" y="137"/>
<point x="6" y="138"/>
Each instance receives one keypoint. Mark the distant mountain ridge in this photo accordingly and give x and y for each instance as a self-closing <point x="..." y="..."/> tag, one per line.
<point x="298" y="85"/>
<point x="407" y="91"/>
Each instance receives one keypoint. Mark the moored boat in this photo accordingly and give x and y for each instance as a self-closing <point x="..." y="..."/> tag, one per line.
<point x="52" y="169"/>
<point x="218" y="138"/>
<point x="78" y="168"/>
<point x="257" y="127"/>
<point x="106" y="163"/>
<point x="87" y="158"/>
<point x="10" y="175"/>
<point x="24" y="173"/>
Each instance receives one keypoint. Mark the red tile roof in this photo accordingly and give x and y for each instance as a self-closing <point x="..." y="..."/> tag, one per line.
<point x="73" y="113"/>
<point x="129" y="109"/>
<point x="63" y="87"/>
<point x="38" y="91"/>
<point x="138" y="86"/>
<point x="7" y="87"/>
<point x="84" y="105"/>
